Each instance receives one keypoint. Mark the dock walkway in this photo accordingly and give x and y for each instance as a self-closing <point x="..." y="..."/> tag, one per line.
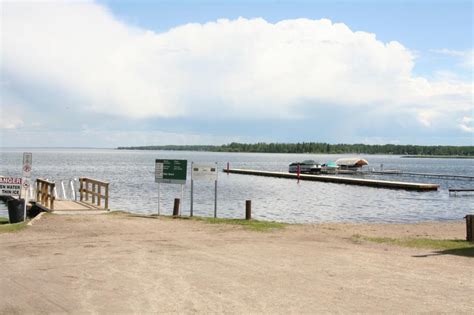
<point x="93" y="197"/>
<point x="340" y="180"/>
<point x="442" y="176"/>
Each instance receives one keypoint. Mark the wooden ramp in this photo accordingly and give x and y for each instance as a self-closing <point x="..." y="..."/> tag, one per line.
<point x="94" y="197"/>
<point x="62" y="205"/>
<point x="69" y="207"/>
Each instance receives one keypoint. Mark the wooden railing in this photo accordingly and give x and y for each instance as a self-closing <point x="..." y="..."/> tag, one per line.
<point x="45" y="193"/>
<point x="93" y="187"/>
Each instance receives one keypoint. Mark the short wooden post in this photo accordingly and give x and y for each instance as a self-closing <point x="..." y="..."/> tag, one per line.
<point x="51" y="202"/>
<point x="248" y="209"/>
<point x="470" y="227"/>
<point x="38" y="192"/>
<point x="86" y="189"/>
<point x="93" y="192"/>
<point x="81" y="187"/>
<point x="45" y="194"/>
<point x="176" y="207"/>
<point x="98" y="194"/>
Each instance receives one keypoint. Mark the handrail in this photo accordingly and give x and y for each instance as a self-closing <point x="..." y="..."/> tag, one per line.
<point x="95" y="191"/>
<point x="45" y="193"/>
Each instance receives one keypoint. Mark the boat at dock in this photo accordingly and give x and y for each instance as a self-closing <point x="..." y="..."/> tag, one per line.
<point x="329" y="168"/>
<point x="352" y="164"/>
<point x="305" y="167"/>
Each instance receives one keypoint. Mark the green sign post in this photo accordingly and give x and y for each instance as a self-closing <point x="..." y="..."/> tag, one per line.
<point x="171" y="172"/>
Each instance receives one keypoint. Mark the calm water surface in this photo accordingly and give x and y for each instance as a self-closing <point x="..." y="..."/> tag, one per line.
<point x="132" y="186"/>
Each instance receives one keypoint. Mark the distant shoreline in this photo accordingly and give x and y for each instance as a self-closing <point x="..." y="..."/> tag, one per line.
<point x="407" y="151"/>
<point x="436" y="157"/>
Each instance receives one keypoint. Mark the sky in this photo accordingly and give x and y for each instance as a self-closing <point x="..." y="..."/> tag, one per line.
<point x="132" y="73"/>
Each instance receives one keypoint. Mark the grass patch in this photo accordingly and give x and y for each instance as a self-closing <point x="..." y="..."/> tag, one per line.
<point x="115" y="212"/>
<point x="453" y="247"/>
<point x="253" y="225"/>
<point x="6" y="227"/>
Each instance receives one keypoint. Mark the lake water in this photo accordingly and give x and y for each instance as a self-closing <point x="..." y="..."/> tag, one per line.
<point x="132" y="186"/>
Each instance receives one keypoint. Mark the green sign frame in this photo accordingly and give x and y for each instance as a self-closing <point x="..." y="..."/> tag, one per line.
<point x="171" y="171"/>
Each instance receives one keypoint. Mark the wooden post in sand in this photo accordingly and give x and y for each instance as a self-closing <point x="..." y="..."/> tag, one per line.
<point x="470" y="227"/>
<point x="248" y="209"/>
<point x="176" y="207"/>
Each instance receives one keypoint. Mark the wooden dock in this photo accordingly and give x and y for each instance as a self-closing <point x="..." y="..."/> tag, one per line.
<point x="460" y="190"/>
<point x="442" y="176"/>
<point x="91" y="194"/>
<point x="340" y="180"/>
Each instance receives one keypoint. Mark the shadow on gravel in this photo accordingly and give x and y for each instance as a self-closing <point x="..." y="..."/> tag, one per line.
<point x="466" y="252"/>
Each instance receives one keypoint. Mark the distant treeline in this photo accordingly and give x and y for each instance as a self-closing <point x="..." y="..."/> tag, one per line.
<point x="313" y="147"/>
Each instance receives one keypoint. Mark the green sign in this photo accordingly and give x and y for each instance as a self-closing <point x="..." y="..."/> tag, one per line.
<point x="171" y="171"/>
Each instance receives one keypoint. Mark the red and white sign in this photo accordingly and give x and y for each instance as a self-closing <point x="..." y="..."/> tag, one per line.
<point x="27" y="162"/>
<point x="10" y="186"/>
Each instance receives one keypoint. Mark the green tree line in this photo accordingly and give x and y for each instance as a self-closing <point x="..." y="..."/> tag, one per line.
<point x="316" y="147"/>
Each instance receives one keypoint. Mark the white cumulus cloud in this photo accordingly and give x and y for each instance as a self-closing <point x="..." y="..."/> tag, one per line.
<point x="232" y="68"/>
<point x="467" y="124"/>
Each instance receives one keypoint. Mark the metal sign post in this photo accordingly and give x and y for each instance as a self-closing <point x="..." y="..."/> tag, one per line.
<point x="158" y="198"/>
<point x="215" y="198"/>
<point x="182" y="200"/>
<point x="192" y="191"/>
<point x="27" y="163"/>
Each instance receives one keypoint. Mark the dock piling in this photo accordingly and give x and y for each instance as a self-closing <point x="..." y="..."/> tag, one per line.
<point x="248" y="209"/>
<point x="176" y="207"/>
<point x="469" y="227"/>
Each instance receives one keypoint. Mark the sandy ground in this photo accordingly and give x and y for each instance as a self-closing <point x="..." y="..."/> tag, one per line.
<point x="117" y="264"/>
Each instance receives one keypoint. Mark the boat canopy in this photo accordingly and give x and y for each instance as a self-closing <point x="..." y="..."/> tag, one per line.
<point x="352" y="162"/>
<point x="305" y="162"/>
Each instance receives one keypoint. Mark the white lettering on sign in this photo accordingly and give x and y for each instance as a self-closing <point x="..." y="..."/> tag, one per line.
<point x="10" y="180"/>
<point x="10" y="186"/>
<point x="204" y="172"/>
<point x="158" y="170"/>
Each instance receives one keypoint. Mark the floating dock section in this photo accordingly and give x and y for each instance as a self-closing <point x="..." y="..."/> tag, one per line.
<point x="340" y="180"/>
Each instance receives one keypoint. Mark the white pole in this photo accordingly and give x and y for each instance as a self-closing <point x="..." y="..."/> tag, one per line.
<point x="24" y="206"/>
<point x="73" y="193"/>
<point x="64" y="190"/>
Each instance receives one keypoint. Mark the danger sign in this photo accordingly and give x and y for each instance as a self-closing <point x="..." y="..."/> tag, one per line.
<point x="10" y="186"/>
